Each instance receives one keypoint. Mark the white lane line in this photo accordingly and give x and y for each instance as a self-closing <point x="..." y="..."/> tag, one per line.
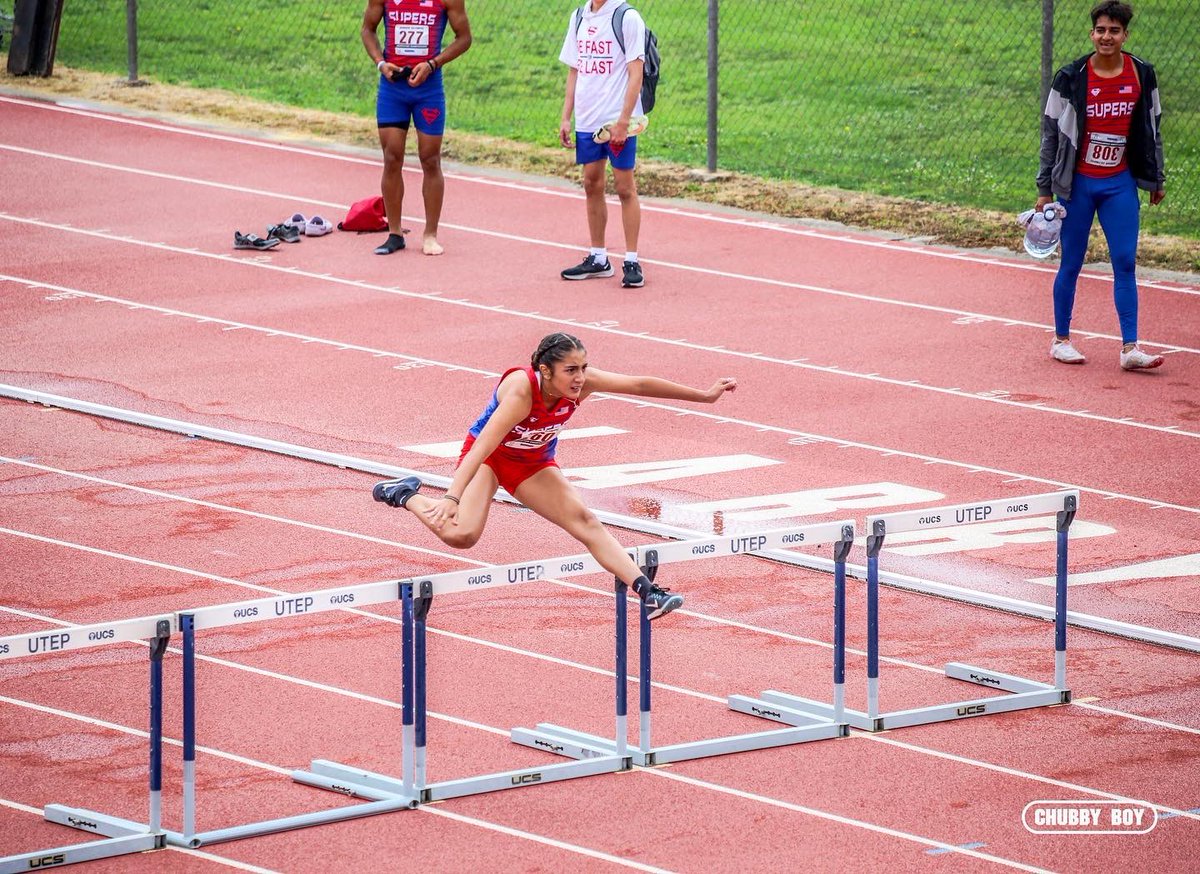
<point x="1013" y="772"/>
<point x="967" y="315"/>
<point x="702" y="784"/>
<point x="774" y="226"/>
<point x="879" y="738"/>
<point x="474" y="640"/>
<point x="984" y="397"/>
<point x="286" y="772"/>
<point x="844" y="820"/>
<point x="120" y="556"/>
<point x="550" y="842"/>
<point x="800" y="436"/>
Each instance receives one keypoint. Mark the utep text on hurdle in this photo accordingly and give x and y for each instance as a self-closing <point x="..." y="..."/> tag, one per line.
<point x="526" y="573"/>
<point x="46" y="642"/>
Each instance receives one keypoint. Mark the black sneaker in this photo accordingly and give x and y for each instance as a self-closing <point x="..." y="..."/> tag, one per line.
<point x="660" y="601"/>
<point x="631" y="275"/>
<point x="284" y="232"/>
<point x="396" y="492"/>
<point x="589" y="268"/>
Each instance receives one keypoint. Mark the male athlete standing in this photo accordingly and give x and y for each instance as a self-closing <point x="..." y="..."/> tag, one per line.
<point x="603" y="84"/>
<point x="410" y="87"/>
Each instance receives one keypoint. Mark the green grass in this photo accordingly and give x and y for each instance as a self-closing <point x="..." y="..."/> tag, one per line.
<point x="905" y="97"/>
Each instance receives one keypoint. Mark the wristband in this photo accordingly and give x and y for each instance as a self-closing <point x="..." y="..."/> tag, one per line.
<point x="379" y="65"/>
<point x="451" y="498"/>
<point x="433" y="65"/>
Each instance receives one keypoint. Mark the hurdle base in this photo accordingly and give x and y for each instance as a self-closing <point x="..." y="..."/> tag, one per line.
<point x="105" y="848"/>
<point x="576" y="744"/>
<point x="1024" y="694"/>
<point x="366" y="784"/>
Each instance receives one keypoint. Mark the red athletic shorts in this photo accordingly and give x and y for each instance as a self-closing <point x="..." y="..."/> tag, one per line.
<point x="509" y="471"/>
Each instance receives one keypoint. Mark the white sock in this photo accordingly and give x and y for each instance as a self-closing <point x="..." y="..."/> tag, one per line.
<point x="631" y="256"/>
<point x="601" y="255"/>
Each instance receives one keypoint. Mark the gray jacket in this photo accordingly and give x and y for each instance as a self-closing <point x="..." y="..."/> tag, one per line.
<point x="1062" y="130"/>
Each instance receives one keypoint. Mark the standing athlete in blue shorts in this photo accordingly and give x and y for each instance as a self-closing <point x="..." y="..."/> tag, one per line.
<point x="603" y="84"/>
<point x="410" y="89"/>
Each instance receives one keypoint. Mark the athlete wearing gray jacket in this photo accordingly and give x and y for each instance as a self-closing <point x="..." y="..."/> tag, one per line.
<point x="1062" y="130"/>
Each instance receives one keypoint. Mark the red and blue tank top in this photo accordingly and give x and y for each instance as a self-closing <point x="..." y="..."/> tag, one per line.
<point x="1110" y="105"/>
<point x="535" y="438"/>
<point x="414" y="30"/>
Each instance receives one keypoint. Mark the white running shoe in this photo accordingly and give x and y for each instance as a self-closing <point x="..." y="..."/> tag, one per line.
<point x="317" y="227"/>
<point x="297" y="221"/>
<point x="1136" y="359"/>
<point x="1062" y="350"/>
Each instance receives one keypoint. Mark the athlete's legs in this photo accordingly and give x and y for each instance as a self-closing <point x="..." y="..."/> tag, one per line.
<point x="433" y="188"/>
<point x="1076" y="227"/>
<point x="631" y="208"/>
<point x="549" y="495"/>
<point x="392" y="140"/>
<point x="597" y="209"/>
<point x="473" y="506"/>
<point x="1118" y="208"/>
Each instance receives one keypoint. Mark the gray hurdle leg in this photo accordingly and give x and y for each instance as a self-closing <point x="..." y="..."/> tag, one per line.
<point x="582" y="745"/>
<point x="122" y="836"/>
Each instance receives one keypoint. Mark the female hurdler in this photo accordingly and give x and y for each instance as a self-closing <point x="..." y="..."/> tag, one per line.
<point x="513" y="444"/>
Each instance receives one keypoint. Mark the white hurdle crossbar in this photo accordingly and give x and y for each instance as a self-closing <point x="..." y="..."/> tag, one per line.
<point x="1025" y="693"/>
<point x="122" y="837"/>
<point x="580" y="745"/>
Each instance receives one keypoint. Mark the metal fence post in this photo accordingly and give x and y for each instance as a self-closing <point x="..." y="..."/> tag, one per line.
<point x="713" y="19"/>
<point x="131" y="39"/>
<point x="1047" y="49"/>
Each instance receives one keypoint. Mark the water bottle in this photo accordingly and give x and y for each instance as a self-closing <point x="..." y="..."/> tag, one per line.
<point x="1043" y="229"/>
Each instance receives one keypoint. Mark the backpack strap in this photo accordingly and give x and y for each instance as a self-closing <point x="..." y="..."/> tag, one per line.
<point x="579" y="17"/>
<point x="618" y="22"/>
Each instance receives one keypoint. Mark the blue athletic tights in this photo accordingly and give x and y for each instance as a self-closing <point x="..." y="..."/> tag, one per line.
<point x="1115" y="200"/>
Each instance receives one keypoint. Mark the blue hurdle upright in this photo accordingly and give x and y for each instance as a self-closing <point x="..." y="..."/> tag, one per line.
<point x="419" y="594"/>
<point x="1025" y="693"/>
<point x="805" y="727"/>
<point x="122" y="837"/>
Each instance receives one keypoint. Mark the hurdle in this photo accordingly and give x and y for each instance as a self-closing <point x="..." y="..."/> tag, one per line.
<point x="803" y="727"/>
<point x="124" y="838"/>
<point x="220" y="616"/>
<point x="1024" y="693"/>
<point x="339" y="777"/>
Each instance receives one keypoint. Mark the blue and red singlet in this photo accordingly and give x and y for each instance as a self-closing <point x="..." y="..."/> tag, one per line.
<point x="1110" y="105"/>
<point x="530" y="445"/>
<point x="414" y="31"/>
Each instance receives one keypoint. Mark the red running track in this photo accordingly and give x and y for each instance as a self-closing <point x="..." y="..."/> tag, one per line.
<point x="863" y="361"/>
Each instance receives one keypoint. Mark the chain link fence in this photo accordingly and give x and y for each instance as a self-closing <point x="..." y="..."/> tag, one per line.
<point x="915" y="98"/>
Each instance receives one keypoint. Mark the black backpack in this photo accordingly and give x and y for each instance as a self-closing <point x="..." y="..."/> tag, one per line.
<point x="650" y="65"/>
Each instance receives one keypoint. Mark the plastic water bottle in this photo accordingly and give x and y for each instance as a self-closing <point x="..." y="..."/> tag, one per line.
<point x="1043" y="229"/>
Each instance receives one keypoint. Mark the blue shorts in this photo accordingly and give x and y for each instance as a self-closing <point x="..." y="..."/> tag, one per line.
<point x="587" y="151"/>
<point x="398" y="102"/>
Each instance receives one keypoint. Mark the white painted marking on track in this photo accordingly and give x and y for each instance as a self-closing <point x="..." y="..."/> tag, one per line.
<point x="16" y="805"/>
<point x="451" y="448"/>
<point x="1013" y="772"/>
<point x="265" y="260"/>
<point x="359" y="696"/>
<point x="452" y="635"/>
<point x="904" y="247"/>
<point x="843" y="820"/>
<point x="550" y="842"/>
<point x="839" y="442"/>
<point x="286" y="772"/>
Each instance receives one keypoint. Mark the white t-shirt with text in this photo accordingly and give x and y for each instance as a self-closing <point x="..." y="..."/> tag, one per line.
<point x="593" y="50"/>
